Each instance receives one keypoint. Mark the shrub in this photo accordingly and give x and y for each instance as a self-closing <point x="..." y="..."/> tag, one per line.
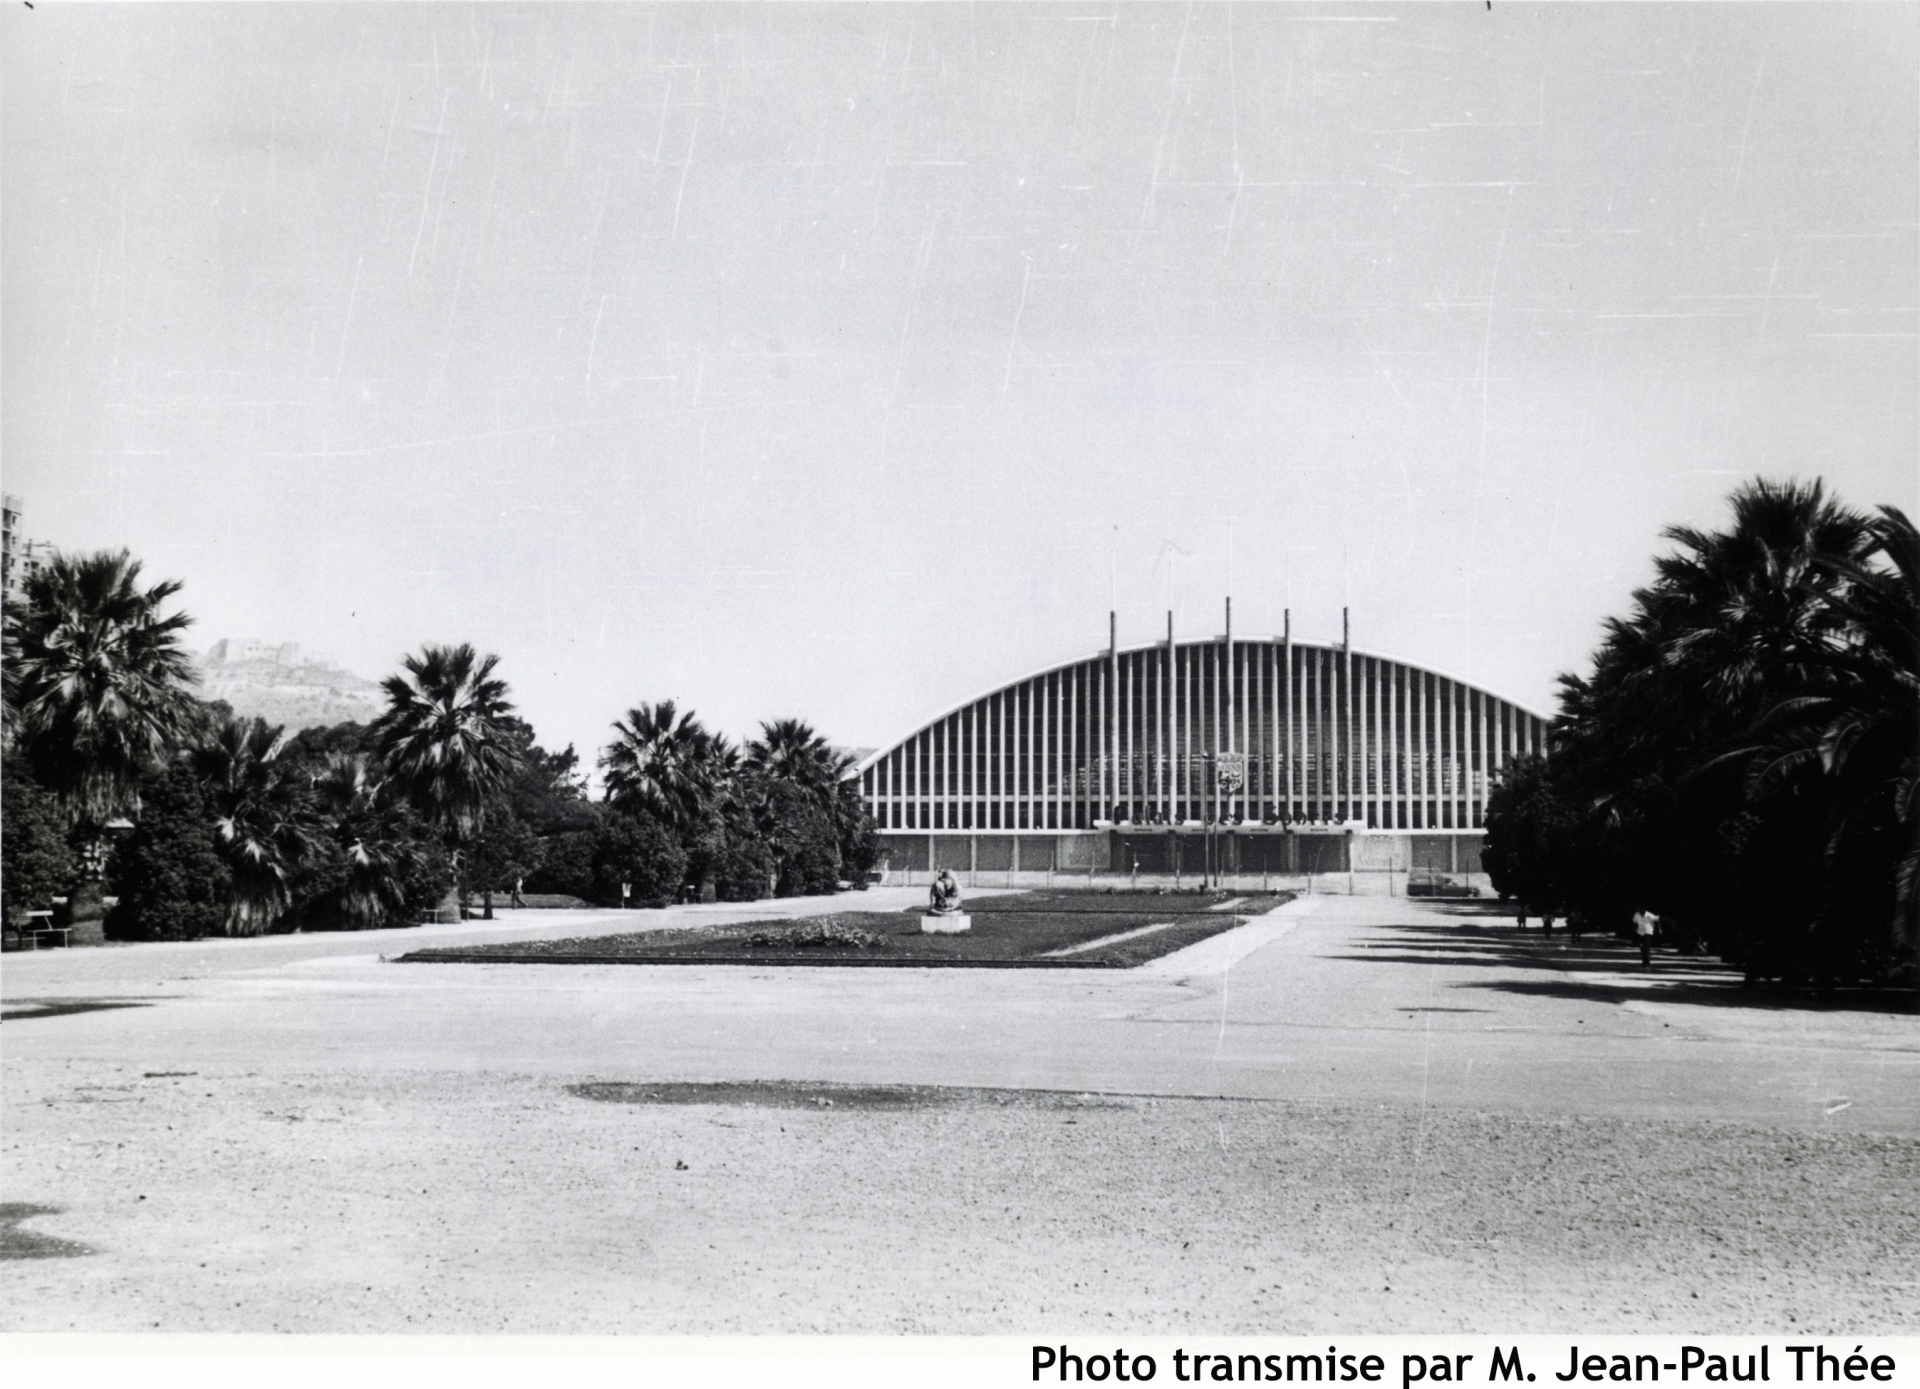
<point x="313" y="746"/>
<point x="804" y="840"/>
<point x="506" y="851"/>
<point x="859" y="835"/>
<point x="426" y="877"/>
<point x="370" y="872"/>
<point x="744" y="871"/>
<point x="637" y="851"/>
<point x="823" y="932"/>
<point x="168" y="874"/>
<point x="567" y="864"/>
<point x="321" y="891"/>
<point x="736" y="862"/>
<point x="36" y="860"/>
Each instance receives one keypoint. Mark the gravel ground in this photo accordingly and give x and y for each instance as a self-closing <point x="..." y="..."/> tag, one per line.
<point x="1366" y="1116"/>
<point x="448" y="1201"/>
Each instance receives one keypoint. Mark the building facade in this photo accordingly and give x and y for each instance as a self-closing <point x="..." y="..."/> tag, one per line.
<point x="1277" y="744"/>
<point x="19" y="556"/>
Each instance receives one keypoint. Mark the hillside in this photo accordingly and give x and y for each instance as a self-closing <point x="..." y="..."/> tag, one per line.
<point x="283" y="685"/>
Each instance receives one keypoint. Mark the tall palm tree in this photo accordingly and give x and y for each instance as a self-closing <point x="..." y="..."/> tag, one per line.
<point x="1653" y="749"/>
<point x="789" y="751"/>
<point x="794" y="776"/>
<point x="445" y="740"/>
<point x="264" y="823"/>
<point x="97" y="685"/>
<point x="1734" y="619"/>
<point x="717" y="773"/>
<point x="663" y="763"/>
<point x="1855" y="732"/>
<point x="1753" y="609"/>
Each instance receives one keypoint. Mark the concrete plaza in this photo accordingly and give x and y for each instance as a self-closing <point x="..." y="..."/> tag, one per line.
<point x="1355" y="1114"/>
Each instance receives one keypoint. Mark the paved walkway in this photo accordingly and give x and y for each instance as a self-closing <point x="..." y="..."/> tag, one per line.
<point x="1349" y="998"/>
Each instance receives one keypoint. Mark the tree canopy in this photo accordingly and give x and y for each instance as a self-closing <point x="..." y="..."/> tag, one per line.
<point x="1741" y="756"/>
<point x="98" y="687"/>
<point x="240" y="828"/>
<point x="444" y="737"/>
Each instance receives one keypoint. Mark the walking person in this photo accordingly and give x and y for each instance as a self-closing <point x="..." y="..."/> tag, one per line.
<point x="1645" y="923"/>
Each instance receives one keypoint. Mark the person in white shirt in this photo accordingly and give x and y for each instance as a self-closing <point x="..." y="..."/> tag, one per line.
<point x="1645" y="923"/>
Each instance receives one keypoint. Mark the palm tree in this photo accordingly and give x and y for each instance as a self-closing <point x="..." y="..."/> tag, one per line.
<point x="1888" y="617"/>
<point x="264" y="821"/>
<point x="1733" y="618"/>
<point x="1855" y="732"/>
<point x="1753" y="609"/>
<point x="1653" y="750"/>
<point x="97" y="685"/>
<point x="789" y="751"/>
<point x="663" y="763"/>
<point x="795" y="776"/>
<point x="717" y="774"/>
<point x="790" y="754"/>
<point x="446" y="743"/>
<point x="372" y="835"/>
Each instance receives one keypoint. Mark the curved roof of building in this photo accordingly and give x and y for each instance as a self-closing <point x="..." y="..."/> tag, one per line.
<point x="1103" y="653"/>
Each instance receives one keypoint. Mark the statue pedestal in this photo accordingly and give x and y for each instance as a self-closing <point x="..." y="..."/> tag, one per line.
<point x="84" y="916"/>
<point x="952" y="924"/>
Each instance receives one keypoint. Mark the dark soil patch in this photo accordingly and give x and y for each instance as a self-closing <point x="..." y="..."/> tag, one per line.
<point x="16" y="1243"/>
<point x="1001" y="938"/>
<point x="789" y="1094"/>
<point x="22" y="1008"/>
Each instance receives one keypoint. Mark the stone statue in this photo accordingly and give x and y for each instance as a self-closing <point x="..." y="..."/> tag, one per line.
<point x="943" y="899"/>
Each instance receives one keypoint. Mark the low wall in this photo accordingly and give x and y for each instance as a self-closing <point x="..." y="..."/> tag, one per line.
<point x="1362" y="863"/>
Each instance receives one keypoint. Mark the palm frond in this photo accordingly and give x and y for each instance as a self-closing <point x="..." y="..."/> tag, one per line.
<point x="444" y="737"/>
<point x="98" y="687"/>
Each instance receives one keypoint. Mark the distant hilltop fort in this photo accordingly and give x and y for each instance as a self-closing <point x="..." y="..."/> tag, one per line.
<point x="277" y="682"/>
<point x="236" y="649"/>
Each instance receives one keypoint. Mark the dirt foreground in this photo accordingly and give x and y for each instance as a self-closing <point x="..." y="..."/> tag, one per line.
<point x="272" y="1145"/>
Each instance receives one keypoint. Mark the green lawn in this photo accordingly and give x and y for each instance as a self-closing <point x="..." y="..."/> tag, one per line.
<point x="1014" y="930"/>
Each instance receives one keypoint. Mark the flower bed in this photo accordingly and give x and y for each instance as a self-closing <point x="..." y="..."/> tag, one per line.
<point x="1003" y="936"/>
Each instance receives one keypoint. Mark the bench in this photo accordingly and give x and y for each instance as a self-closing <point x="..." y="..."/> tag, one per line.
<point x="37" y="931"/>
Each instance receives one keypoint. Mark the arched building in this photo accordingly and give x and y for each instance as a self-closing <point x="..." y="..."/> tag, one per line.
<point x="1298" y="756"/>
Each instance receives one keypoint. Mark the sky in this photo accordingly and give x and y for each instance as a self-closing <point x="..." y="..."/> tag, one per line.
<point x="847" y="362"/>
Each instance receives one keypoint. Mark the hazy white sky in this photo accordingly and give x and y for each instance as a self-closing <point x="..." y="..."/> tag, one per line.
<point x="843" y="361"/>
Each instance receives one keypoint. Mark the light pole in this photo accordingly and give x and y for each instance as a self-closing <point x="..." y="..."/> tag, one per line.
<point x="1226" y="781"/>
<point x="1213" y="801"/>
